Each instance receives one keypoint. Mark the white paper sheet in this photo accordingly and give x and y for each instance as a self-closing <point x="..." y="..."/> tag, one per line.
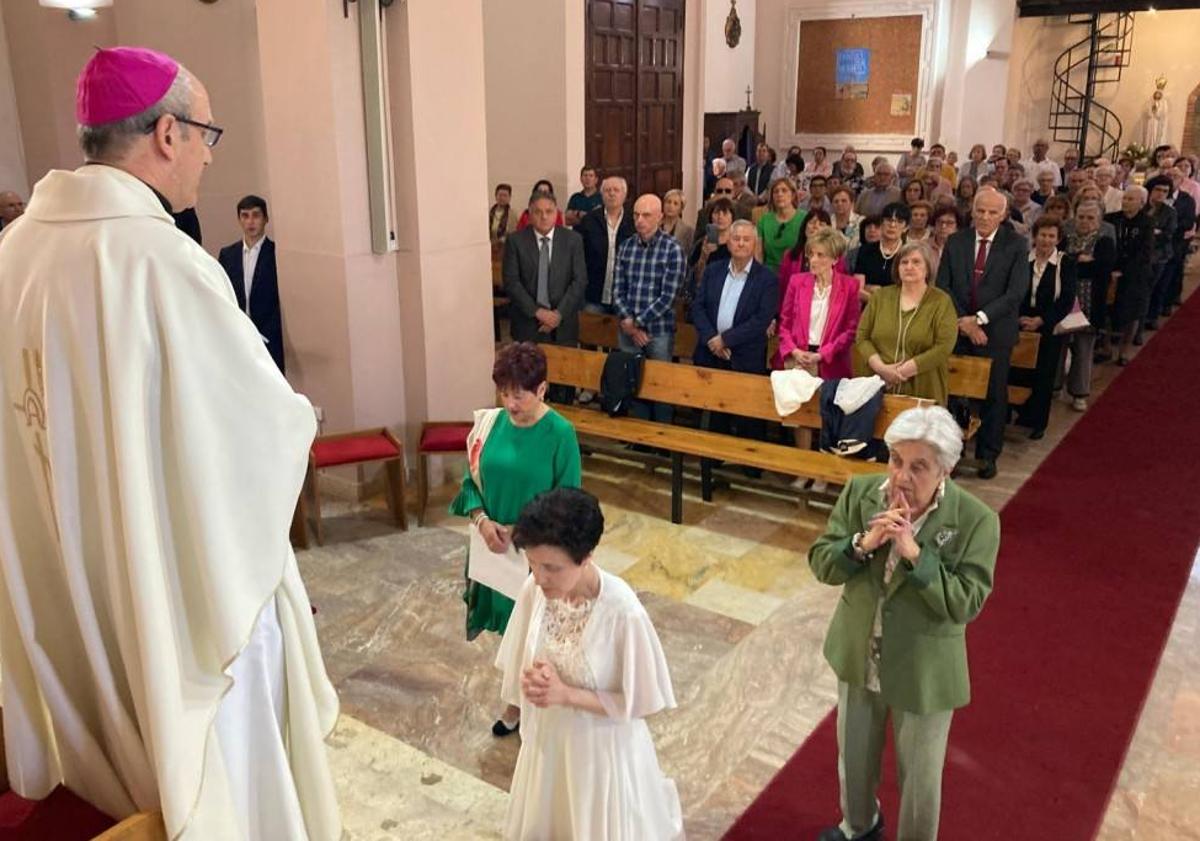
<point x="504" y="573"/>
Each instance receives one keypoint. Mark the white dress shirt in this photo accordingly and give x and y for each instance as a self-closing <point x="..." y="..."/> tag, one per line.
<point x="611" y="263"/>
<point x="249" y="264"/>
<point x="731" y="293"/>
<point x="981" y="316"/>
<point x="818" y="312"/>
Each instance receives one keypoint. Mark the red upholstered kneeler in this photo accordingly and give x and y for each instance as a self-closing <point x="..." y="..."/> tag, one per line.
<point x="361" y="447"/>
<point x="437" y="437"/>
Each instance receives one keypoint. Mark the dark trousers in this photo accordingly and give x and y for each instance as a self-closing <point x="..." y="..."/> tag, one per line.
<point x="993" y="409"/>
<point x="562" y="394"/>
<point x="1035" y="414"/>
<point x="1158" y="292"/>
<point x="1174" y="290"/>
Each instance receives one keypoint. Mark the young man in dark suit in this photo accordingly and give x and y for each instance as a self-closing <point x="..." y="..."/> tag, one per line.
<point x="250" y="264"/>
<point x="985" y="269"/>
<point x="545" y="278"/>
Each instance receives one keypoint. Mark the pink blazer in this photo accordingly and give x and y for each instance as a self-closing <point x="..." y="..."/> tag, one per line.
<point x="841" y="324"/>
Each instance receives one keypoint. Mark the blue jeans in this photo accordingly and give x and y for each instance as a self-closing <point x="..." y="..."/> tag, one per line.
<point x="659" y="348"/>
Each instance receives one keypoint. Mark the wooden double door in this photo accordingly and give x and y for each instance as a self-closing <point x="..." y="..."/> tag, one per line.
<point x="634" y="84"/>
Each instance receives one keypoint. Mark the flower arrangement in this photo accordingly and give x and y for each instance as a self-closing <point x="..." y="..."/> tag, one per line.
<point x="1140" y="155"/>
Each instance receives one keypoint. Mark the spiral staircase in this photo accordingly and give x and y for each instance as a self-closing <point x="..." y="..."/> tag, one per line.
<point x="1095" y="60"/>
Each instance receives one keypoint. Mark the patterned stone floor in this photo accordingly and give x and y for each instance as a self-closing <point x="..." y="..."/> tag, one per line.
<point x="740" y="617"/>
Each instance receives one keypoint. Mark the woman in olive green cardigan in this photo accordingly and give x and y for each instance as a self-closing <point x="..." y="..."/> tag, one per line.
<point x="908" y="330"/>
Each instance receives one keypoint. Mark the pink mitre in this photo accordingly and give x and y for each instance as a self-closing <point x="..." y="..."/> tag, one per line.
<point x="120" y="82"/>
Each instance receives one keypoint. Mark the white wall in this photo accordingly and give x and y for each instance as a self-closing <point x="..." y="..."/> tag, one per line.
<point x="976" y="79"/>
<point x="727" y="72"/>
<point x="533" y="56"/>
<point x="1163" y="43"/>
<point x="13" y="175"/>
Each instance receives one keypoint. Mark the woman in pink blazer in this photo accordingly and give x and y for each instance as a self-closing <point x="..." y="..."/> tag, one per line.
<point x="820" y="312"/>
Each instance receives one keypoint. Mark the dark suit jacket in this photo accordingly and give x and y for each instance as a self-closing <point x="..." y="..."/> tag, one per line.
<point x="1045" y="305"/>
<point x="594" y="230"/>
<point x="747" y="338"/>
<point x="264" y="293"/>
<point x="1004" y="283"/>
<point x="567" y="282"/>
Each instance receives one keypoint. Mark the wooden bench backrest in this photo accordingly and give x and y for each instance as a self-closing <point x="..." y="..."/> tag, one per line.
<point x="745" y="395"/>
<point x="599" y="330"/>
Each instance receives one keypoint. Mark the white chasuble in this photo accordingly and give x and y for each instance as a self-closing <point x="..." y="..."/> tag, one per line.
<point x="151" y="455"/>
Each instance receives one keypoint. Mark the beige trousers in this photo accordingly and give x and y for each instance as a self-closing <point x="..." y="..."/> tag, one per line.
<point x="920" y="754"/>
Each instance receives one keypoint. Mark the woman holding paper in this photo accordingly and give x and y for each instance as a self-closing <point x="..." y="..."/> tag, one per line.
<point x="514" y="453"/>
<point x="582" y="659"/>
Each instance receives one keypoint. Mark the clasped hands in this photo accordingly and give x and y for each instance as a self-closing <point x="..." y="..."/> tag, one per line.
<point x="897" y="372"/>
<point x="893" y="526"/>
<point x="717" y="345"/>
<point x="807" y="360"/>
<point x="969" y="326"/>
<point x="543" y="687"/>
<point x="639" y="336"/>
<point x="1030" y="323"/>
<point x="548" y="320"/>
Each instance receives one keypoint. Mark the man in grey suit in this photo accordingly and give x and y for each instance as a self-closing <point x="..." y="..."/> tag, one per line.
<point x="985" y="269"/>
<point x="545" y="278"/>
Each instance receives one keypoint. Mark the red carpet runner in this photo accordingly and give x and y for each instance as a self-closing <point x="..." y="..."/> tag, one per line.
<point x="1095" y="555"/>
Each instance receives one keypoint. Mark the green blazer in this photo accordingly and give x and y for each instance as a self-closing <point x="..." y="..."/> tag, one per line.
<point x="923" y="664"/>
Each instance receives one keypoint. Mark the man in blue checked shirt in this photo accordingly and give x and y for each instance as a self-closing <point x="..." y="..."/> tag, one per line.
<point x="649" y="270"/>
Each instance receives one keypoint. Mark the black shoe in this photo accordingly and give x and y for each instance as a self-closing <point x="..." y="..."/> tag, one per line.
<point x="834" y="833"/>
<point x="1123" y="361"/>
<point x="500" y="729"/>
<point x="987" y="470"/>
<point x="1037" y="435"/>
<point x="1138" y="341"/>
<point x="1101" y="358"/>
<point x="1150" y="325"/>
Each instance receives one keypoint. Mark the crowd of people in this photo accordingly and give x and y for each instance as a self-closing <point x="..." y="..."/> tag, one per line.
<point x="944" y="256"/>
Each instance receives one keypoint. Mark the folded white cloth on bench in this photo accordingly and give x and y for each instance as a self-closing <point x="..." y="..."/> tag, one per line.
<point x="854" y="392"/>
<point x="793" y="389"/>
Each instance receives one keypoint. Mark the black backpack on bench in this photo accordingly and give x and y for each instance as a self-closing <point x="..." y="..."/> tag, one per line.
<point x="620" y="381"/>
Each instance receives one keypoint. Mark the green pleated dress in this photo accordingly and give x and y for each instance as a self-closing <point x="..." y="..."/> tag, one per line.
<point x="516" y="464"/>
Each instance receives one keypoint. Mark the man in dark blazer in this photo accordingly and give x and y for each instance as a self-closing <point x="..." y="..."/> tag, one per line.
<point x="985" y="269"/>
<point x="736" y="301"/>
<point x="603" y="230"/>
<point x="250" y="264"/>
<point x="545" y="278"/>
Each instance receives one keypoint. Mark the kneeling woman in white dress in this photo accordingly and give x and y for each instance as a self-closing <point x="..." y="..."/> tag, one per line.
<point x="583" y="662"/>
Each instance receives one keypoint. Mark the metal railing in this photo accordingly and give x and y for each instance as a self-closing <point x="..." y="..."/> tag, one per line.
<point x="1099" y="57"/>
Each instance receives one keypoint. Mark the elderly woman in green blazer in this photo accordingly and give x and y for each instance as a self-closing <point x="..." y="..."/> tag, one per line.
<point x="914" y="555"/>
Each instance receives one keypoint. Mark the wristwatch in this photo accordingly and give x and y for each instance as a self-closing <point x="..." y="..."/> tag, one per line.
<point x="856" y="545"/>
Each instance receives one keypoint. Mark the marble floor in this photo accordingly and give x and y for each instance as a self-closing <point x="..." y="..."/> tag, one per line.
<point x="741" y="620"/>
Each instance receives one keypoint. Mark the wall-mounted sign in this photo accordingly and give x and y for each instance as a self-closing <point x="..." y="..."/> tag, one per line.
<point x="852" y="73"/>
<point x="901" y="105"/>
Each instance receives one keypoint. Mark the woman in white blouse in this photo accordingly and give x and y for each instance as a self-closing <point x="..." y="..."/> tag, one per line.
<point x="584" y="663"/>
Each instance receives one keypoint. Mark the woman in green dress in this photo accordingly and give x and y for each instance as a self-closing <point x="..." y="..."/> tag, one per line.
<point x="514" y="453"/>
<point x="779" y="229"/>
<point x="908" y="330"/>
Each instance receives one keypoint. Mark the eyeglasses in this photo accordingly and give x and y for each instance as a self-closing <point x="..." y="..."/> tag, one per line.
<point x="210" y="134"/>
<point x="722" y="192"/>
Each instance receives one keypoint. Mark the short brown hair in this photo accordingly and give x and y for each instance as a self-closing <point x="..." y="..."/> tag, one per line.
<point x="520" y="365"/>
<point x="1048" y="222"/>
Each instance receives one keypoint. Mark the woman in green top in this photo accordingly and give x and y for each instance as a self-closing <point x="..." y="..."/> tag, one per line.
<point x="779" y="229"/>
<point x="514" y="454"/>
<point x="908" y="330"/>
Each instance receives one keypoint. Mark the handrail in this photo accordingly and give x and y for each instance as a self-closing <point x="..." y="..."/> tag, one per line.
<point x="1111" y="38"/>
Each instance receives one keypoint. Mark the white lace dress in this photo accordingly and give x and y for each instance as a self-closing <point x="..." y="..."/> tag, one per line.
<point x="581" y="776"/>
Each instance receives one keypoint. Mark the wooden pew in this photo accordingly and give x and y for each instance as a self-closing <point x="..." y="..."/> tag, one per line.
<point x="968" y="374"/>
<point x="706" y="389"/>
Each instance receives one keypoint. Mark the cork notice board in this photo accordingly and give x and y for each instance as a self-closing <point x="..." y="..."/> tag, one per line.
<point x="895" y="53"/>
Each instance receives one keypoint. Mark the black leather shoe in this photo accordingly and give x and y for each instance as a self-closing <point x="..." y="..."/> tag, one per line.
<point x="1037" y="435"/>
<point x="500" y="729"/>
<point x="987" y="470"/>
<point x="834" y="833"/>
